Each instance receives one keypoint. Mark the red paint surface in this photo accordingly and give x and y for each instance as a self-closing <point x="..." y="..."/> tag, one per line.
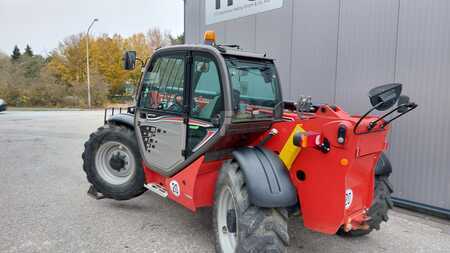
<point x="322" y="193"/>
<point x="196" y="182"/>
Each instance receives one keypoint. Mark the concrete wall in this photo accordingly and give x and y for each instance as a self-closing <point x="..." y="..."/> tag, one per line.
<point x="336" y="50"/>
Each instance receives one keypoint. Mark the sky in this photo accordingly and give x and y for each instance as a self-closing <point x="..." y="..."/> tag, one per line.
<point x="44" y="23"/>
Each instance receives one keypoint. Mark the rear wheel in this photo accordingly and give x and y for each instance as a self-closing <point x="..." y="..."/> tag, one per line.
<point x="112" y="162"/>
<point x="240" y="226"/>
<point x="378" y="212"/>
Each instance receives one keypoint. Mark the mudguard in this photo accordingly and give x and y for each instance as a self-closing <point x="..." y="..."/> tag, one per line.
<point x="383" y="167"/>
<point x="122" y="119"/>
<point x="266" y="177"/>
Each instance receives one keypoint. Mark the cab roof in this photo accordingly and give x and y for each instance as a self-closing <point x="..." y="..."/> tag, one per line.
<point x="219" y="49"/>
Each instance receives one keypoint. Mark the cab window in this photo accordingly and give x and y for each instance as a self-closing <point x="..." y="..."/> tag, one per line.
<point x="207" y="100"/>
<point x="206" y="89"/>
<point x="255" y="88"/>
<point x="163" y="85"/>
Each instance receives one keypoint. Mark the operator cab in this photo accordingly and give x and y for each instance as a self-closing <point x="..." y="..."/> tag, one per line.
<point x="192" y="97"/>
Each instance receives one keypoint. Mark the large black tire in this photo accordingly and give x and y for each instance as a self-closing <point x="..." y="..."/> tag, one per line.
<point x="378" y="212"/>
<point x="258" y="229"/>
<point x="133" y="185"/>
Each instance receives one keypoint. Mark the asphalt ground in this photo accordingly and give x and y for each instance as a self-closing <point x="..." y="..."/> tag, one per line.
<point x="44" y="206"/>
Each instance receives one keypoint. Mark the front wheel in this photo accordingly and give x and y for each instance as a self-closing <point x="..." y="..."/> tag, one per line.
<point x="112" y="162"/>
<point x="240" y="226"/>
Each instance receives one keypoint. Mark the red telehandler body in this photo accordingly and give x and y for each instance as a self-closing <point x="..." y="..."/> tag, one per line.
<point x="210" y="129"/>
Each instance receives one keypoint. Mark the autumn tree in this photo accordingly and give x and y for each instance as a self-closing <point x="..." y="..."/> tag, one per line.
<point x="140" y="43"/>
<point x="157" y="39"/>
<point x="68" y="61"/>
<point x="60" y="79"/>
<point x="4" y="69"/>
<point x="106" y="59"/>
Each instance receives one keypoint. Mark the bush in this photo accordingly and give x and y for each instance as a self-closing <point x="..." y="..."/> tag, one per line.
<point x="28" y="82"/>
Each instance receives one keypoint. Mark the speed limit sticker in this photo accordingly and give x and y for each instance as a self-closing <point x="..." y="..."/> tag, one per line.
<point x="175" y="188"/>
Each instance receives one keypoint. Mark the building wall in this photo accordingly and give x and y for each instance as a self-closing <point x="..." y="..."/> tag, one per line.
<point x="336" y="50"/>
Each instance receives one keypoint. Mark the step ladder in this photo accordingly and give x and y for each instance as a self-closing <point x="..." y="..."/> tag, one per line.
<point x="158" y="189"/>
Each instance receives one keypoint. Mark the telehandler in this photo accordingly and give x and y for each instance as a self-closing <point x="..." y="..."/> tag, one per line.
<point x="210" y="129"/>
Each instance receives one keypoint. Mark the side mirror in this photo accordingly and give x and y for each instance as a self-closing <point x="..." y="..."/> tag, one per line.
<point x="385" y="96"/>
<point x="129" y="60"/>
<point x="403" y="103"/>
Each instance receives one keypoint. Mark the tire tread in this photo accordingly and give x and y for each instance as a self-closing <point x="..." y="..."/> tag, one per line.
<point x="378" y="211"/>
<point x="261" y="229"/>
<point x="88" y="156"/>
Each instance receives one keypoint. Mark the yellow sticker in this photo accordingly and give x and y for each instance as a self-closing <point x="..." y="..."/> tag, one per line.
<point x="290" y="151"/>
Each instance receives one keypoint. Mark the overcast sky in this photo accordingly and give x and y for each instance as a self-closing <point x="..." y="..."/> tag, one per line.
<point x="44" y="23"/>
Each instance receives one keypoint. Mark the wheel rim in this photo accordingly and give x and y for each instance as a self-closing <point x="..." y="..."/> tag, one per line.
<point x="227" y="239"/>
<point x="119" y="155"/>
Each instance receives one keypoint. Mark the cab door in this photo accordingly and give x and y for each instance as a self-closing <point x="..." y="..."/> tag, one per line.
<point x="207" y="102"/>
<point x="161" y="117"/>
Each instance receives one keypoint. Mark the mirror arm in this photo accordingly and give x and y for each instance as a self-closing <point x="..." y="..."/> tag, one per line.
<point x="410" y="106"/>
<point x="141" y="61"/>
<point x="374" y="123"/>
<point x="365" y="115"/>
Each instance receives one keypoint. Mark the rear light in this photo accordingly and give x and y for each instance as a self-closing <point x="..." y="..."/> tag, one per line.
<point x="306" y="139"/>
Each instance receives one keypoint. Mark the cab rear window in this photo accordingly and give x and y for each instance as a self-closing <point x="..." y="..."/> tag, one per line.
<point x="255" y="88"/>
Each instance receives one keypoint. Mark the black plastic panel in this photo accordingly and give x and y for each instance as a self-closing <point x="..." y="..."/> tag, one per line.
<point x="266" y="177"/>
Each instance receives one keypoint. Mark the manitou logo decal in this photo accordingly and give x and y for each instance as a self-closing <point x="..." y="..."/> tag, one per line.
<point x="222" y="10"/>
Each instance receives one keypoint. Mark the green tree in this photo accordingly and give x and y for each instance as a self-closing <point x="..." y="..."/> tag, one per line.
<point x="16" y="53"/>
<point x="28" y="51"/>
<point x="32" y="66"/>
